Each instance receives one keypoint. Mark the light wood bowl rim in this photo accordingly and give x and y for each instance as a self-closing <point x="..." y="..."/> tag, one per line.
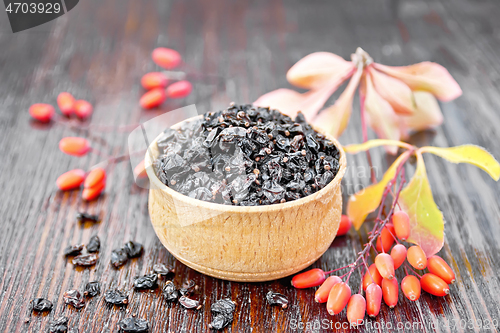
<point x="156" y="184"/>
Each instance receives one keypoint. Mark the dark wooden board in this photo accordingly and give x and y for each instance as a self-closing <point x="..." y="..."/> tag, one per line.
<point x="99" y="51"/>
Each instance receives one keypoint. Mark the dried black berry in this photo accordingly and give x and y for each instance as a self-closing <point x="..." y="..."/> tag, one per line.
<point x="92" y="289"/>
<point x="59" y="325"/>
<point x="246" y="156"/>
<point x="187" y="288"/>
<point x="119" y="257"/>
<point x="133" y="249"/>
<point x="85" y="259"/>
<point x="189" y="303"/>
<point x="133" y="324"/>
<point x="81" y="216"/>
<point x="74" y="298"/>
<point x="170" y="292"/>
<point x="277" y="299"/>
<point x="149" y="281"/>
<point x="162" y="269"/>
<point x="73" y="250"/>
<point x="94" y="244"/>
<point x="116" y="297"/>
<point x="41" y="304"/>
<point x="223" y="313"/>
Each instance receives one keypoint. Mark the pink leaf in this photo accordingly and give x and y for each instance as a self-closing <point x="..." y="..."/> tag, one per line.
<point x="426" y="76"/>
<point x="335" y="118"/>
<point x="319" y="68"/>
<point x="379" y="114"/>
<point x="427" y="115"/>
<point x="290" y="102"/>
<point x="394" y="91"/>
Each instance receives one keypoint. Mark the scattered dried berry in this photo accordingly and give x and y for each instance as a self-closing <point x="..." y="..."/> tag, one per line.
<point x="73" y="250"/>
<point x="42" y="112"/>
<point x="70" y="180"/>
<point x="135" y="325"/>
<point x="223" y="313"/>
<point x="83" y="109"/>
<point x="246" y="156"/>
<point x="119" y="257"/>
<point x="154" y="80"/>
<point x="95" y="177"/>
<point x="81" y="216"/>
<point x="189" y="303"/>
<point x="66" y="103"/>
<point x="86" y="259"/>
<point x="94" y="244"/>
<point x="162" y="269"/>
<point x="149" y="281"/>
<point x="93" y="192"/>
<point x="170" y="291"/>
<point x="74" y="298"/>
<point x="133" y="249"/>
<point x="179" y="89"/>
<point x="277" y="299"/>
<point x="166" y="58"/>
<point x="187" y="288"/>
<point x="92" y="289"/>
<point x="59" y="325"/>
<point x="116" y="297"/>
<point x="41" y="304"/>
<point x="74" y="146"/>
<point x="153" y="98"/>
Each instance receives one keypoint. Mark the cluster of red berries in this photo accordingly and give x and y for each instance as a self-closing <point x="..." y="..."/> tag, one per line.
<point x="379" y="281"/>
<point x="157" y="83"/>
<point x="68" y="105"/>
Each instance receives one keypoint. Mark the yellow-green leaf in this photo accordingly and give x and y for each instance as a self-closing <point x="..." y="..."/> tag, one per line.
<point x="426" y="220"/>
<point x="368" y="199"/>
<point x="471" y="154"/>
<point x="356" y="148"/>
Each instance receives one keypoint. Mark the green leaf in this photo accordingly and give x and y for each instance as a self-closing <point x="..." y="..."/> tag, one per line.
<point x="368" y="199"/>
<point x="471" y="154"/>
<point x="426" y="220"/>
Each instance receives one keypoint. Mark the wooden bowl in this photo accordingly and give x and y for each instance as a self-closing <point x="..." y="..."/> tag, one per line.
<point x="247" y="244"/>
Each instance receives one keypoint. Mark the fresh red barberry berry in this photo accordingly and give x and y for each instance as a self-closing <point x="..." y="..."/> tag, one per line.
<point x="83" y="109"/>
<point x="66" y="103"/>
<point x="385" y="265"/>
<point x="390" y="292"/>
<point x="373" y="299"/>
<point x="70" y="180"/>
<point x="179" y="89"/>
<point x="398" y="254"/>
<point x="153" y="98"/>
<point x="434" y="285"/>
<point x="401" y="222"/>
<point x="416" y="257"/>
<point x="372" y="275"/>
<point x="95" y="177"/>
<point x="140" y="170"/>
<point x="437" y="266"/>
<point x="311" y="278"/>
<point x="410" y="286"/>
<point x="166" y="58"/>
<point x="321" y="295"/>
<point x="42" y="112"/>
<point x="344" y="226"/>
<point x="338" y="298"/>
<point x="154" y="80"/>
<point x="91" y="193"/>
<point x="74" y="146"/>
<point x="356" y="309"/>
<point x="386" y="239"/>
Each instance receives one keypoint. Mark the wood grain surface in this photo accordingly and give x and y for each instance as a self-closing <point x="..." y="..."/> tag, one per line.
<point x="99" y="51"/>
